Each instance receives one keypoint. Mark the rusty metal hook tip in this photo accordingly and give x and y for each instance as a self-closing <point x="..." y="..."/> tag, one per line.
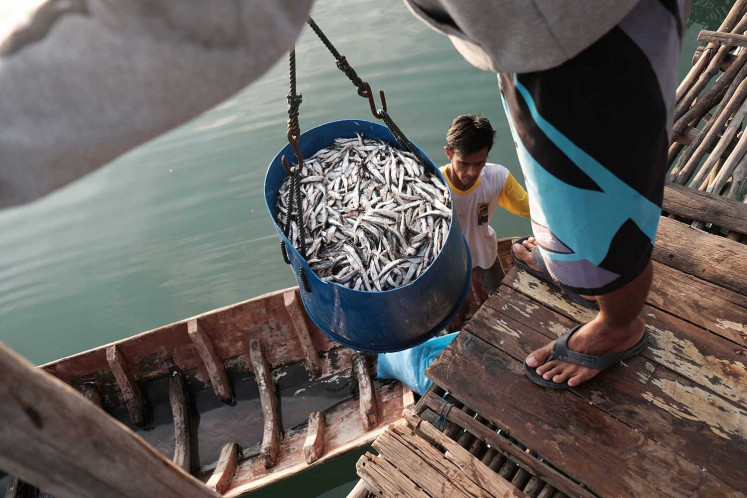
<point x="366" y="92"/>
<point x="293" y="140"/>
<point x="285" y="165"/>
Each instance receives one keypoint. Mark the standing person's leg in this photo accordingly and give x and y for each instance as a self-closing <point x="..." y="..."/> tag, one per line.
<point x="592" y="137"/>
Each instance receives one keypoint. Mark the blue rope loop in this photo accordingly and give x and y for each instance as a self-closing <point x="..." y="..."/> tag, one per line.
<point x="442" y="417"/>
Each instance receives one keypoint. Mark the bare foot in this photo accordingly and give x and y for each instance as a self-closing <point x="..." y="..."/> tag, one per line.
<point x="594" y="338"/>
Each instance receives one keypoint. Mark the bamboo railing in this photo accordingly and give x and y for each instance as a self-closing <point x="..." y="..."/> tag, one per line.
<point x="708" y="152"/>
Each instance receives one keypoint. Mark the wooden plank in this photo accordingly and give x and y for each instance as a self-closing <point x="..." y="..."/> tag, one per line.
<point x="433" y="473"/>
<point x="91" y="393"/>
<point x="313" y="447"/>
<point x="54" y="438"/>
<point x="127" y="385"/>
<point x="703" y="358"/>
<point x="368" y="408"/>
<point x="716" y="259"/>
<point x="158" y="352"/>
<point x="343" y="434"/>
<point x="719" y="310"/>
<point x="269" y="400"/>
<point x="475" y="470"/>
<point x="534" y="464"/>
<point x="659" y="403"/>
<point x="731" y="39"/>
<point x="221" y="479"/>
<point x="359" y="491"/>
<point x="212" y="361"/>
<point x="408" y="397"/>
<point x="577" y="437"/>
<point x="182" y="433"/>
<point x="706" y="207"/>
<point x="298" y="318"/>
<point x="384" y="479"/>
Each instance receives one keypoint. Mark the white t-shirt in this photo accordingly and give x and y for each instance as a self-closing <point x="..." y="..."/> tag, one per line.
<point x="474" y="208"/>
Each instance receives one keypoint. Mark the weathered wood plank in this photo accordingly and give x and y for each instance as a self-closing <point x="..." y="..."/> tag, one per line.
<point x="731" y="39"/>
<point x="470" y="466"/>
<point x="703" y="358"/>
<point x="269" y="400"/>
<point x="91" y="393"/>
<point x="220" y="481"/>
<point x="182" y="433"/>
<point x="343" y="433"/>
<point x="212" y="361"/>
<point x="127" y="385"/>
<point x="577" y="437"/>
<point x="383" y="479"/>
<point x="716" y="259"/>
<point x="359" y="491"/>
<point x="313" y="447"/>
<point x="719" y="310"/>
<point x="706" y="207"/>
<point x="368" y="408"/>
<point x="659" y="403"/>
<point x="433" y="473"/>
<point x="53" y="437"/>
<point x="298" y="318"/>
<point x="408" y="397"/>
<point x="534" y="464"/>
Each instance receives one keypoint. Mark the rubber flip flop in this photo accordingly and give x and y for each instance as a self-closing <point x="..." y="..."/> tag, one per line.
<point x="544" y="275"/>
<point x="561" y="352"/>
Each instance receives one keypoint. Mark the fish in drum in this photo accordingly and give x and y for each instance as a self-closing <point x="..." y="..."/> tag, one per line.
<point x="373" y="218"/>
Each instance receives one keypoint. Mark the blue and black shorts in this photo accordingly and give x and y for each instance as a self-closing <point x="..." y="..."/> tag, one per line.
<point x="592" y="137"/>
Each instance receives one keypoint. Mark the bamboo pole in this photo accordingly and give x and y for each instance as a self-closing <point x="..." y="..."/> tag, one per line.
<point x="726" y="137"/>
<point x="728" y="39"/>
<point x="695" y="72"/>
<point x="738" y="178"/>
<point x="53" y="437"/>
<point x="728" y="59"/>
<point x="734" y="161"/>
<point x="717" y="93"/>
<point x="711" y="70"/>
<point x="714" y="126"/>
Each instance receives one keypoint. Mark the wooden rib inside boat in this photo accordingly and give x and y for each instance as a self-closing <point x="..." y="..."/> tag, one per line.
<point x="242" y="396"/>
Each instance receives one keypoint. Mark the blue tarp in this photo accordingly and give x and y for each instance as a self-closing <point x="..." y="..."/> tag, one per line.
<point x="409" y="366"/>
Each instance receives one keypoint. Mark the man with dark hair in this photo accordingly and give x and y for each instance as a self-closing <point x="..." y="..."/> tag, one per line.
<point x="479" y="187"/>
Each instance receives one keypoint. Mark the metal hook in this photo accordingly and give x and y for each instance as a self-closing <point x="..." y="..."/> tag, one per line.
<point x="293" y="140"/>
<point x="285" y="165"/>
<point x="366" y="92"/>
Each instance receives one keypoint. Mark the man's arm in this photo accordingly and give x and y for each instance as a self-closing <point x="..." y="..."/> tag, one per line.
<point x="84" y="81"/>
<point x="514" y="198"/>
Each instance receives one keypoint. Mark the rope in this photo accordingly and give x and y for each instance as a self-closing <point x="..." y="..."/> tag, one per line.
<point x="341" y="61"/>
<point x="364" y="90"/>
<point x="294" y="99"/>
<point x="442" y="417"/>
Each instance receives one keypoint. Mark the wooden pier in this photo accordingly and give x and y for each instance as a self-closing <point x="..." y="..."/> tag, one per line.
<point x="669" y="422"/>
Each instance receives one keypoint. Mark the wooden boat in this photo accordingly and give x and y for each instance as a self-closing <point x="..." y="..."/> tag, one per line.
<point x="242" y="396"/>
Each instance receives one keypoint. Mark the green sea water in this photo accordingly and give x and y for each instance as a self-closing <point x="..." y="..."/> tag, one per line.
<point x="178" y="226"/>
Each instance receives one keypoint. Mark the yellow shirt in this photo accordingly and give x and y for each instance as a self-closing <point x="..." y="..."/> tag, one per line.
<point x="474" y="208"/>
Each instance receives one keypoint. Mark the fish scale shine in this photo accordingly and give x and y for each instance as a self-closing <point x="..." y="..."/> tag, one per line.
<point x="372" y="219"/>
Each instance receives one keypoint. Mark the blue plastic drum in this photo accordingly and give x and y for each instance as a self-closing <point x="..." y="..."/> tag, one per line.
<point x="376" y="322"/>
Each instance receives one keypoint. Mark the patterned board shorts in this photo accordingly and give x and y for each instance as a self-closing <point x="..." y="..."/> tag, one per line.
<point x="592" y="137"/>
